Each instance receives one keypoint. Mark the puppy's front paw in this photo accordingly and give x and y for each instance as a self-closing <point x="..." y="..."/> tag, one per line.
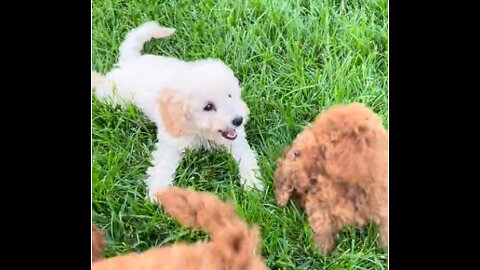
<point x="281" y="197"/>
<point x="153" y="195"/>
<point x="252" y="181"/>
<point x="326" y="243"/>
<point x="154" y="188"/>
<point x="249" y="184"/>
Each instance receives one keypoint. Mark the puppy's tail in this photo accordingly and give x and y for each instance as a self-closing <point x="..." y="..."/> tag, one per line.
<point x="236" y="242"/>
<point x="135" y="39"/>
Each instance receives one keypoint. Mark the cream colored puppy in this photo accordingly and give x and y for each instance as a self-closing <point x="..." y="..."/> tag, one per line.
<point x="193" y="104"/>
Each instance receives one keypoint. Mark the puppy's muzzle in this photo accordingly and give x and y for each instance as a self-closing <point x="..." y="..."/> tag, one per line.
<point x="229" y="133"/>
<point x="237" y="121"/>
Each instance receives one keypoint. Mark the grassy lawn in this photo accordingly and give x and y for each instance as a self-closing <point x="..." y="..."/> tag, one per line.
<point x="294" y="59"/>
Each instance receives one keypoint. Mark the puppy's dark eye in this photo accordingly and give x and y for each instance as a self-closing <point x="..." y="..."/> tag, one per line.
<point x="296" y="153"/>
<point x="209" y="107"/>
<point x="229" y="95"/>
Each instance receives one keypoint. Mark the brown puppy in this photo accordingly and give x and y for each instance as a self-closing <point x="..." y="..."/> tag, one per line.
<point x="98" y="243"/>
<point x="338" y="168"/>
<point x="233" y="244"/>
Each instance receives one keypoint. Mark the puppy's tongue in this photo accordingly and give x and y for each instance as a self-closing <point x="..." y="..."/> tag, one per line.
<point x="229" y="134"/>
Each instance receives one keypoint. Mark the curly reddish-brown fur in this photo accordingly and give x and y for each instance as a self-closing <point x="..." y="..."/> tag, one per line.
<point x="98" y="243"/>
<point x="338" y="168"/>
<point x="233" y="244"/>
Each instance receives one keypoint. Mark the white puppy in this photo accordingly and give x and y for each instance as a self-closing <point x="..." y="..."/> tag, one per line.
<point x="192" y="104"/>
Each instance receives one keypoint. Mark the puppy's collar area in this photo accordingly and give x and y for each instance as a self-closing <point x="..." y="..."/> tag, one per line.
<point x="229" y="133"/>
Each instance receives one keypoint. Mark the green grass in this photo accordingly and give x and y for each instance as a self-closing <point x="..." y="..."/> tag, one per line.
<point x="294" y="59"/>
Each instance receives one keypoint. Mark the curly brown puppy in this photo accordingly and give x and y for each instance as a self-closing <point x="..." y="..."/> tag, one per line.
<point x="233" y="244"/>
<point x="98" y="243"/>
<point x="338" y="169"/>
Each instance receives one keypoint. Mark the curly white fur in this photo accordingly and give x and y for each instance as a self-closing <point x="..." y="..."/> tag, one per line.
<point x="174" y="94"/>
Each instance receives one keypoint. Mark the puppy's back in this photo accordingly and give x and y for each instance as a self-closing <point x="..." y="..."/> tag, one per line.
<point x="354" y="143"/>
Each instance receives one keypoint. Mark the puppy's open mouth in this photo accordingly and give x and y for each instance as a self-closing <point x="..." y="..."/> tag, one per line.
<point x="229" y="133"/>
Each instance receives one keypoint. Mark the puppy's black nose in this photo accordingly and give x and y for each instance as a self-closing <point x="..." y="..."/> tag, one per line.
<point x="237" y="121"/>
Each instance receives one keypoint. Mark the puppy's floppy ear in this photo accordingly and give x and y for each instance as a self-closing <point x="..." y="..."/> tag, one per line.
<point x="281" y="180"/>
<point x="283" y="187"/>
<point x="320" y="154"/>
<point x="174" y="110"/>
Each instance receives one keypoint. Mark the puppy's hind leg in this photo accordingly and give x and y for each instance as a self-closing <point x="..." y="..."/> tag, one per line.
<point x="105" y="90"/>
<point x="384" y="228"/>
<point x="165" y="162"/>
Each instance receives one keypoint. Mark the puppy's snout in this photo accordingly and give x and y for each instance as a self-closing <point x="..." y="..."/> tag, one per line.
<point x="237" y="121"/>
